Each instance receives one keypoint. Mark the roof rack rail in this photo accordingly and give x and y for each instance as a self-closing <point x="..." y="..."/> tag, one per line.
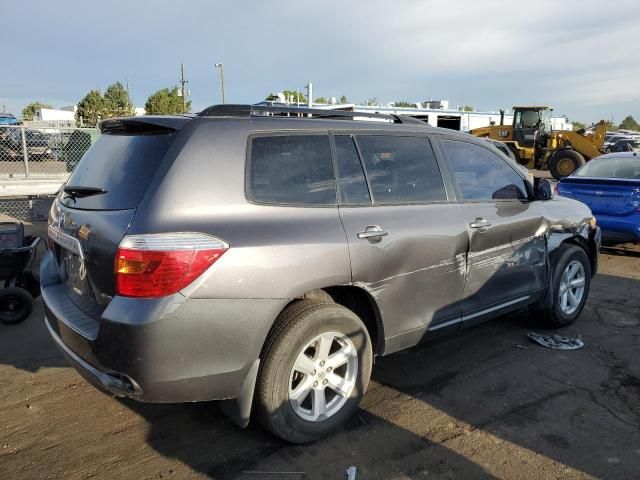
<point x="232" y="110"/>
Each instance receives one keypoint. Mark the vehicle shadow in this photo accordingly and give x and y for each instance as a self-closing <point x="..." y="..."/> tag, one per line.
<point x="27" y="345"/>
<point x="624" y="250"/>
<point x="484" y="403"/>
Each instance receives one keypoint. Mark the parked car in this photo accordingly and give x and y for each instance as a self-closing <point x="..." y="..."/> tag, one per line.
<point x="610" y="186"/>
<point x="37" y="144"/>
<point x="7" y="119"/>
<point x="625" y="145"/>
<point x="266" y="259"/>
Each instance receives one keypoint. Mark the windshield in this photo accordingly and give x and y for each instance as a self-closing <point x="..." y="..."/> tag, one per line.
<point x="612" y="167"/>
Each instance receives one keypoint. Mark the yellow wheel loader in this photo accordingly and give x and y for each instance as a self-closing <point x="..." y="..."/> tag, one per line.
<point x="536" y="145"/>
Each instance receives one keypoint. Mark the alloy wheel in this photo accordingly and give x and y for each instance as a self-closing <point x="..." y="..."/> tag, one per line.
<point x="572" y="284"/>
<point x="323" y="376"/>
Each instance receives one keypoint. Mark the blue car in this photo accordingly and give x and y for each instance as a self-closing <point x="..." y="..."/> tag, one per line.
<point x="7" y="119"/>
<point x="610" y="186"/>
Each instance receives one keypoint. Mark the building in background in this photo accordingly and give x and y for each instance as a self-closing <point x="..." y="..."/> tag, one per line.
<point x="46" y="118"/>
<point x="434" y="112"/>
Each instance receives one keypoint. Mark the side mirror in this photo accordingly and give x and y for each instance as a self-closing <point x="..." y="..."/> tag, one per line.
<point x="542" y="189"/>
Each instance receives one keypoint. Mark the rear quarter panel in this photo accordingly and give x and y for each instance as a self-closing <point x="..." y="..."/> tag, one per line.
<point x="276" y="252"/>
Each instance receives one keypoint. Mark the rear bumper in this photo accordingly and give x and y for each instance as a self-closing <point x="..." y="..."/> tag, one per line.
<point x="173" y="349"/>
<point x="620" y="227"/>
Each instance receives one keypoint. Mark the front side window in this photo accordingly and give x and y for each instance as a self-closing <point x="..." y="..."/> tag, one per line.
<point x="481" y="175"/>
<point x="292" y="170"/>
<point x="401" y="169"/>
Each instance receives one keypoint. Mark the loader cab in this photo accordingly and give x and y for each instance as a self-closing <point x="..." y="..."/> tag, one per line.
<point x="531" y="126"/>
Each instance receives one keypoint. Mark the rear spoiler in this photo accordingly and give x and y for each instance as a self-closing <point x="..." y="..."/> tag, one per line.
<point x="144" y="125"/>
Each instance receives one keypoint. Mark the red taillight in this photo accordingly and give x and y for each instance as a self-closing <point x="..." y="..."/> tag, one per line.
<point x="162" y="264"/>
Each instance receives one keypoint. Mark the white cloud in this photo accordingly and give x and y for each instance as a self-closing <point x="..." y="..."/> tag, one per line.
<point x="579" y="56"/>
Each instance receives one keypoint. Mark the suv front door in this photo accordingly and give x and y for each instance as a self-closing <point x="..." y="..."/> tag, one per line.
<point x="507" y="259"/>
<point x="407" y="241"/>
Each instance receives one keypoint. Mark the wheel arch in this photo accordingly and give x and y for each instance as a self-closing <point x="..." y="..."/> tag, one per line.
<point x="356" y="299"/>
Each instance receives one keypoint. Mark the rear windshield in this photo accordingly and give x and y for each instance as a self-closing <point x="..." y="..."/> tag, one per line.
<point x="121" y="165"/>
<point x="612" y="167"/>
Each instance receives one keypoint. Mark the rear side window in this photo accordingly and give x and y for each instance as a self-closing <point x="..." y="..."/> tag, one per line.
<point x="401" y="169"/>
<point x="353" y="185"/>
<point x="481" y="175"/>
<point x="121" y="165"/>
<point x="616" y="167"/>
<point x="292" y="170"/>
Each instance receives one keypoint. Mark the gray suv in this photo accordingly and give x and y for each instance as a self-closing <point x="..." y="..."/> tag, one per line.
<point x="263" y="256"/>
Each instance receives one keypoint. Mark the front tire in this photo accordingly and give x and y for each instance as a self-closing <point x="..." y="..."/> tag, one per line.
<point x="315" y="370"/>
<point x="571" y="280"/>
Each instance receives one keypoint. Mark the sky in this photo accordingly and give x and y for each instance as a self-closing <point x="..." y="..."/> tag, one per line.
<point x="580" y="57"/>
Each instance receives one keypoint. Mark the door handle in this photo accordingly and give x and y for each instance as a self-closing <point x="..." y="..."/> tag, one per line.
<point x="480" y="223"/>
<point x="373" y="233"/>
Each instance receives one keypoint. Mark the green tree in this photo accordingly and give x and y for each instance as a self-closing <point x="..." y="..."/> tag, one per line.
<point x="629" y="123"/>
<point x="165" y="102"/>
<point x="117" y="101"/>
<point x="369" y="102"/>
<point x="611" y="125"/>
<point x="468" y="108"/>
<point x="343" y="99"/>
<point x="91" y="109"/>
<point x="289" y="95"/>
<point x="578" y="126"/>
<point x="29" y="111"/>
<point x="321" y="100"/>
<point x="404" y="104"/>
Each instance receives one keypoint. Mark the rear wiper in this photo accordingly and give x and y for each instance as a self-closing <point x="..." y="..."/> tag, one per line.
<point x="79" y="192"/>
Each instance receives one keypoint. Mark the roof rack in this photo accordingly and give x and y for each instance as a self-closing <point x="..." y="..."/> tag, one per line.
<point x="231" y="110"/>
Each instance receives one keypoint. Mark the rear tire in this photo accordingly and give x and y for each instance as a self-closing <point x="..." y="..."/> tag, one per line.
<point x="564" y="162"/>
<point x="16" y="304"/>
<point x="571" y="280"/>
<point x="315" y="351"/>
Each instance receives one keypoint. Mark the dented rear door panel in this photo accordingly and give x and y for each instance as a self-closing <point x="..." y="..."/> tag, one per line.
<point x="416" y="272"/>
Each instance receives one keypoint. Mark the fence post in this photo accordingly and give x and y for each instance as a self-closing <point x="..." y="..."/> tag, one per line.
<point x="25" y="153"/>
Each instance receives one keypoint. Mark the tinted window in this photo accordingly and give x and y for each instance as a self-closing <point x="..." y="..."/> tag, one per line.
<point x="482" y="175"/>
<point x="353" y="186"/>
<point x="401" y="169"/>
<point x="122" y="165"/>
<point x="621" y="167"/>
<point x="295" y="170"/>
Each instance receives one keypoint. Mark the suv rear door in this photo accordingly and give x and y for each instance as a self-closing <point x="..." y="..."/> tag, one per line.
<point x="92" y="213"/>
<point x="507" y="247"/>
<point x="407" y="241"/>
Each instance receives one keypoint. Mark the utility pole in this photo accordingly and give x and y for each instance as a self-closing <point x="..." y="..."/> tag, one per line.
<point x="183" y="90"/>
<point x="221" y="67"/>
<point x="129" y="103"/>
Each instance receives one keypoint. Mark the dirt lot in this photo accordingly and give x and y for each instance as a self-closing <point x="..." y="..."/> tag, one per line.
<point x="482" y="404"/>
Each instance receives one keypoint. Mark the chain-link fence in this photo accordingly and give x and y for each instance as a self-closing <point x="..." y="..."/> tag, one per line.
<point x="27" y="152"/>
<point x="34" y="162"/>
<point x="25" y="209"/>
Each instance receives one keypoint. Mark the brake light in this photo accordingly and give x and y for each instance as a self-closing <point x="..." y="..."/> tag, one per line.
<point x="157" y="265"/>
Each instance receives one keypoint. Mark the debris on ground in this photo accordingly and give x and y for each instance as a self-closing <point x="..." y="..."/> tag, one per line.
<point x="351" y="473"/>
<point x="556" y="341"/>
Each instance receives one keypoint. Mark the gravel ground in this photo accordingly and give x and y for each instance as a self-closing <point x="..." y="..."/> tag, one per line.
<point x="484" y="403"/>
